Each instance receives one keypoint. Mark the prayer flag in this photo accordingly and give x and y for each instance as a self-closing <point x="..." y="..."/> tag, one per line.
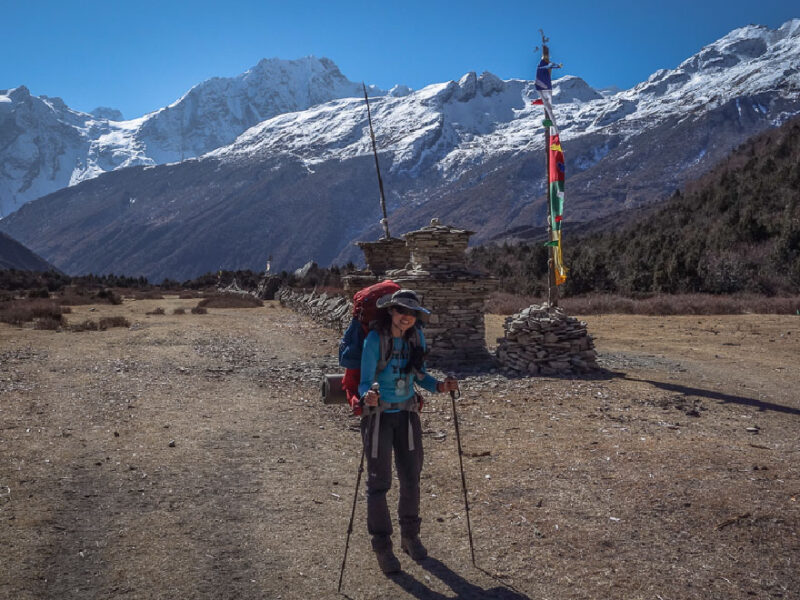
<point x="544" y="86"/>
<point x="556" y="187"/>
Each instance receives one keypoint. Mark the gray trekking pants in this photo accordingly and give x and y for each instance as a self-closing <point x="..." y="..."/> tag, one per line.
<point x="393" y="436"/>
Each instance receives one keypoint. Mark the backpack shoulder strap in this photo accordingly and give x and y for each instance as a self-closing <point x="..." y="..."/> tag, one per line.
<point x="384" y="350"/>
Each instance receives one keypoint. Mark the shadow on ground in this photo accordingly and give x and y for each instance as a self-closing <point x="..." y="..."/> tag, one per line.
<point x="720" y="396"/>
<point x="463" y="589"/>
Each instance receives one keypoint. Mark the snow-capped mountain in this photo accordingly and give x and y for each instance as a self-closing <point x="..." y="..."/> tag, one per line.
<point x="48" y="146"/>
<point x="301" y="184"/>
<point x="454" y="125"/>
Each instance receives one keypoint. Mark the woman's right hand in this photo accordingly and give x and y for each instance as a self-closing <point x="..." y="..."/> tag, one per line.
<point x="371" y="398"/>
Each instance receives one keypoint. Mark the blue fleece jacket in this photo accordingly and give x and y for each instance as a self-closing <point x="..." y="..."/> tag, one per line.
<point x="388" y="377"/>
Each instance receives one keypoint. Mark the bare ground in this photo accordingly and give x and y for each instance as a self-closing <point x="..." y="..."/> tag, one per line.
<point x="189" y="457"/>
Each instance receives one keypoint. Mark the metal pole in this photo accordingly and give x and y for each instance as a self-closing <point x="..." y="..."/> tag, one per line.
<point x="385" y="220"/>
<point x="463" y="479"/>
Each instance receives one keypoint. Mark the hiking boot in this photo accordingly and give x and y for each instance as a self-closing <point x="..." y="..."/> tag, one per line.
<point x="413" y="547"/>
<point x="388" y="561"/>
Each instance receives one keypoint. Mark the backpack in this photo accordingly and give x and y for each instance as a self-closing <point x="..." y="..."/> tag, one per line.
<point x="365" y="313"/>
<point x="344" y="389"/>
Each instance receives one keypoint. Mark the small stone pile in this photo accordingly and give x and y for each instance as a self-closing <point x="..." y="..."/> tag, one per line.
<point x="543" y="340"/>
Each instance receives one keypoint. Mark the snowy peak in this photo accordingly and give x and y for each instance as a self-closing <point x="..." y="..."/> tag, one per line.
<point x="109" y="114"/>
<point x="306" y="108"/>
<point x="573" y="89"/>
<point x="50" y="146"/>
<point x="739" y="54"/>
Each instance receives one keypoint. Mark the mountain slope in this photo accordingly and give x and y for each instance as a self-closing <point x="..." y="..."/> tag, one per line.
<point x="467" y="151"/>
<point x="736" y="229"/>
<point x="14" y="255"/>
<point x="45" y="145"/>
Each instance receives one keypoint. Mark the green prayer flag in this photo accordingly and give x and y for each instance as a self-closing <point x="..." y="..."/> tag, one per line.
<point x="547" y="123"/>
<point x="554" y="243"/>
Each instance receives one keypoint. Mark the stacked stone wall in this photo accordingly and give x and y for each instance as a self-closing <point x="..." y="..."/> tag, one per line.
<point x="455" y="329"/>
<point x="332" y="311"/>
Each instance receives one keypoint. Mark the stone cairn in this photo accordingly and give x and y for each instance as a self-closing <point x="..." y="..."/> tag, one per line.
<point x="542" y="340"/>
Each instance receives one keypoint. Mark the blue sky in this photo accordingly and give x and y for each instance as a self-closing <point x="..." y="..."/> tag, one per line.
<point x="140" y="56"/>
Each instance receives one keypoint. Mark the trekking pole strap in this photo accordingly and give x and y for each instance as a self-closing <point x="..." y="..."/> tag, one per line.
<point x="410" y="405"/>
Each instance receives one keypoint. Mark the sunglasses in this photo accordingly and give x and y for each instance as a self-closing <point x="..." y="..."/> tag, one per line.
<point x="402" y="310"/>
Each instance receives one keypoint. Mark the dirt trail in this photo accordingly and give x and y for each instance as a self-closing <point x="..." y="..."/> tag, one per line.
<point x="189" y="457"/>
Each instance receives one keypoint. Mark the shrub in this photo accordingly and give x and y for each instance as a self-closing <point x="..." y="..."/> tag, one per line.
<point x="48" y="322"/>
<point x="76" y="296"/>
<point x="199" y="310"/>
<point x="109" y="322"/>
<point x="109" y="296"/>
<point x="179" y="311"/>
<point x="87" y="325"/>
<point x="148" y="295"/>
<point x="156" y="311"/>
<point x="18" y="312"/>
<point x="230" y="301"/>
<point x="40" y="293"/>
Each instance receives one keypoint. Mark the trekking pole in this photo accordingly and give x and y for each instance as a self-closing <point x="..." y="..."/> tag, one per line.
<point x="461" y="466"/>
<point x="352" y="516"/>
<point x="376" y="388"/>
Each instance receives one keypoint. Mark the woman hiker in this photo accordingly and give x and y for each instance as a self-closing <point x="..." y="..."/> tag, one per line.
<point x="390" y="423"/>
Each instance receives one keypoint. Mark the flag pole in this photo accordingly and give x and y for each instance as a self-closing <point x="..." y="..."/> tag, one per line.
<point x="385" y="220"/>
<point x="552" y="288"/>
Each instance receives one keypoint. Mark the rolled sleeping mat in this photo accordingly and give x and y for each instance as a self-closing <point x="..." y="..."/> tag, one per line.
<point x="332" y="392"/>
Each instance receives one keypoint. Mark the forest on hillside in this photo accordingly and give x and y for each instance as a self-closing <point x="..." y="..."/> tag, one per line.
<point x="737" y="229"/>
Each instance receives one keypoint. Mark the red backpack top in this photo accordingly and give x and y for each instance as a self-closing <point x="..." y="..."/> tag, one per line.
<point x="364" y="307"/>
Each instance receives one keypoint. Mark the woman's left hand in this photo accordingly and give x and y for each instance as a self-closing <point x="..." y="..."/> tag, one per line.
<point x="450" y="384"/>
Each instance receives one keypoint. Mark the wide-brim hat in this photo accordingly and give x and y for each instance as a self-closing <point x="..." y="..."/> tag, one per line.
<point x="405" y="298"/>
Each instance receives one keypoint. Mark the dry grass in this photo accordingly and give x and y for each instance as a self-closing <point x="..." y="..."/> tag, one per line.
<point x="156" y="311"/>
<point x="658" y="305"/>
<point x="230" y="301"/>
<point x="148" y="295"/>
<point x="595" y="487"/>
<point x="179" y="311"/>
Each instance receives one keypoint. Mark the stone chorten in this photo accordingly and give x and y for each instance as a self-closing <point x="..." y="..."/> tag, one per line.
<point x="381" y="256"/>
<point x="455" y="295"/>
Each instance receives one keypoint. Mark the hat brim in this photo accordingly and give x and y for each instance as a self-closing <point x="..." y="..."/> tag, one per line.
<point x="387" y="302"/>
